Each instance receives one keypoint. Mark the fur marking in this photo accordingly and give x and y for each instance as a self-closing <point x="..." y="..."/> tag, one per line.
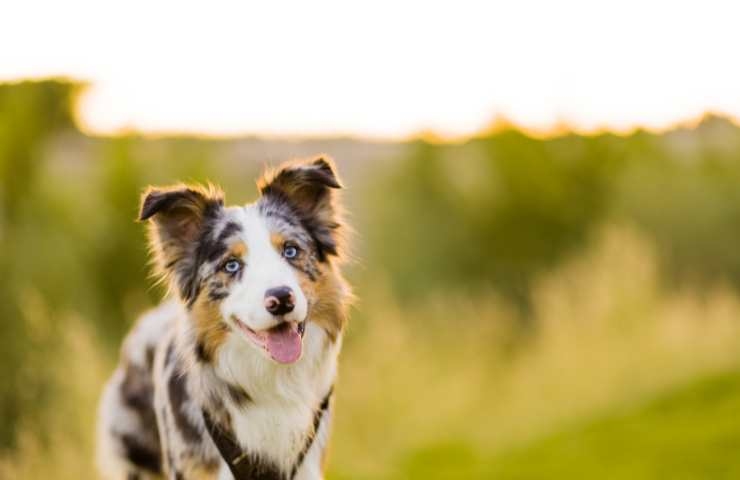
<point x="178" y="398"/>
<point x="140" y="455"/>
<point x="246" y="466"/>
<point x="243" y="466"/>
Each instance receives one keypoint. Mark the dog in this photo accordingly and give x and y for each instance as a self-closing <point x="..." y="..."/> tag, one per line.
<point x="233" y="376"/>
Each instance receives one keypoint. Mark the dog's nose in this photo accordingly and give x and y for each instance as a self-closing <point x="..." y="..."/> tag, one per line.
<point x="279" y="300"/>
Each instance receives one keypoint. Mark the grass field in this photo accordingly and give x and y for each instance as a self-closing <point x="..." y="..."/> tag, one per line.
<point x="691" y="432"/>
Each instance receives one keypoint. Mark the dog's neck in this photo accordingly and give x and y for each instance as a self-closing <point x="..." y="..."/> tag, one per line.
<point x="242" y="392"/>
<point x="237" y="365"/>
<point x="244" y="464"/>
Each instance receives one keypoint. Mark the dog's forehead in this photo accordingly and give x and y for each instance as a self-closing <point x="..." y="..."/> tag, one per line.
<point x="253" y="223"/>
<point x="264" y="217"/>
<point x="247" y="223"/>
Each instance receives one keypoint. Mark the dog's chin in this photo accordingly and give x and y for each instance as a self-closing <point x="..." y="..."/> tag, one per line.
<point x="282" y="343"/>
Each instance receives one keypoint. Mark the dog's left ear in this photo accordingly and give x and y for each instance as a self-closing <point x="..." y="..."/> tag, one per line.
<point x="308" y="187"/>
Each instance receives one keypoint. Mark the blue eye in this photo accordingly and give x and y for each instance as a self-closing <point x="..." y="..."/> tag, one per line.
<point x="232" y="266"/>
<point x="289" y="251"/>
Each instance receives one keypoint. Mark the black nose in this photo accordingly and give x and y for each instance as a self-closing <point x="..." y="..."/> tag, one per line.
<point x="279" y="300"/>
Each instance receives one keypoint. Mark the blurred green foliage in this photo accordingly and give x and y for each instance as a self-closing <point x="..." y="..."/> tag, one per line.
<point x="483" y="221"/>
<point x="658" y="440"/>
<point x="499" y="210"/>
<point x="688" y="433"/>
<point x="30" y="114"/>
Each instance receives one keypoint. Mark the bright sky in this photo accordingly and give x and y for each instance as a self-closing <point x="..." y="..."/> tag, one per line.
<point x="380" y="68"/>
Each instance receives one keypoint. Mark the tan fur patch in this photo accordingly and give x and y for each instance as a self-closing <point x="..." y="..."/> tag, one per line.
<point x="211" y="332"/>
<point x="193" y="468"/>
<point x="238" y="249"/>
<point x="277" y="240"/>
<point x="330" y="297"/>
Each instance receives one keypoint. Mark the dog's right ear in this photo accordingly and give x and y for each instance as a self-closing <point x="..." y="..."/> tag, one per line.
<point x="310" y="188"/>
<point x="177" y="217"/>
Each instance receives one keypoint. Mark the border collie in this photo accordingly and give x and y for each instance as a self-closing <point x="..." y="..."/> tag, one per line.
<point x="233" y="377"/>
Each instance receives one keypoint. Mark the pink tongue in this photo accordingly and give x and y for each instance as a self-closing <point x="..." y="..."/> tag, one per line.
<point x="284" y="343"/>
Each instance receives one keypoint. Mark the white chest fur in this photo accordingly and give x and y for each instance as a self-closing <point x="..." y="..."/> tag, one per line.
<point x="276" y="422"/>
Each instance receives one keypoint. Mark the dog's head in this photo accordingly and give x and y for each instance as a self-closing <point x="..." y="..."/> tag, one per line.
<point x="260" y="271"/>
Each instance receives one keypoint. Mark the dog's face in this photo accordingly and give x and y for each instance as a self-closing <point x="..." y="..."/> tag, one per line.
<point x="260" y="271"/>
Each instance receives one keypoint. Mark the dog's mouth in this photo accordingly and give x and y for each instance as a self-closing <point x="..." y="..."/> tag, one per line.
<point x="282" y="342"/>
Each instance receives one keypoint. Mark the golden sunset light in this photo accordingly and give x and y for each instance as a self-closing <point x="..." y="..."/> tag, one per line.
<point x="380" y="69"/>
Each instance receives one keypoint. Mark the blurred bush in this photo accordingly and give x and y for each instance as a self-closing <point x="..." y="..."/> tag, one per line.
<point x="498" y="210"/>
